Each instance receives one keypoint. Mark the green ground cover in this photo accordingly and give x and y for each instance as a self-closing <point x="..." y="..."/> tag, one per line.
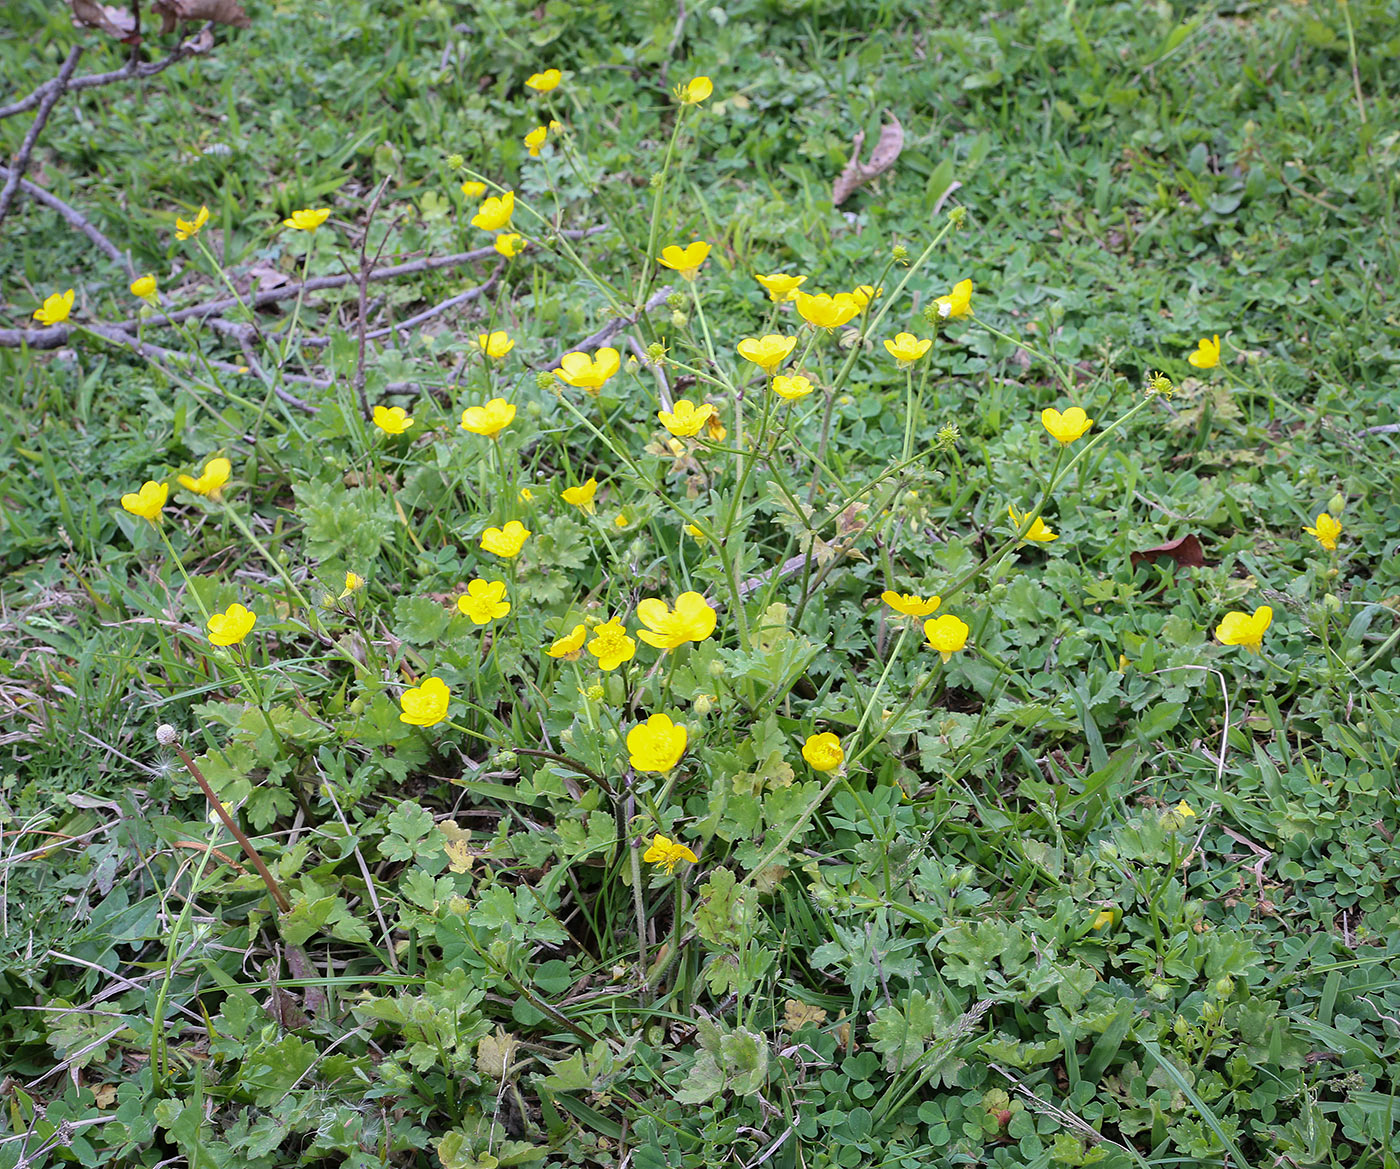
<point x="1087" y="885"/>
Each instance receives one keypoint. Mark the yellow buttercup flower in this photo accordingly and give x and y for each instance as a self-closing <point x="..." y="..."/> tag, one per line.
<point x="1038" y="531"/>
<point x="823" y="752"/>
<point x="495" y="212"/>
<point x="535" y="139"/>
<point x="792" y="388"/>
<point x="958" y="303"/>
<point x="693" y="619"/>
<point x="189" y="228"/>
<point x="621" y="520"/>
<point x="354" y="582"/>
<point x="148" y="502"/>
<point x="780" y="287"/>
<point x="686" y="260"/>
<point x="230" y="627"/>
<point x="686" y="418"/>
<point x="1103" y="918"/>
<point x="907" y="348"/>
<point x="1206" y="354"/>
<point x="570" y="645"/>
<point x="1326" y="531"/>
<point x="506" y="541"/>
<point x="308" y="218"/>
<point x="910" y="604"/>
<point x="656" y="745"/>
<point x="946" y="634"/>
<point x="863" y="294"/>
<point x="425" y="705"/>
<point x="581" y="496"/>
<point x="826" y="312"/>
<point x="667" y="853"/>
<point x="392" y="419"/>
<point x="211" y="481"/>
<point x="611" y="645"/>
<point x="589" y="373"/>
<point x="715" y="429"/>
<point x="767" y="352"/>
<point x="694" y="91"/>
<point x="695" y="534"/>
<point x="526" y="495"/>
<point x="488" y="420"/>
<point x="544" y="82"/>
<point x="484" y="600"/>
<point x="1185" y="810"/>
<point x="496" y="344"/>
<point x="144" y="287"/>
<point x="473" y="190"/>
<point x="510" y="244"/>
<point x="55" y="309"/>
<point x="1066" y="427"/>
<point x="1245" y="629"/>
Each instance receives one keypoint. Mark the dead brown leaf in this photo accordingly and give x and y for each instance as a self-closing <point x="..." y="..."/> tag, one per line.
<point x="171" y="12"/>
<point x="114" y="21"/>
<point x="858" y="173"/>
<point x="1186" y="551"/>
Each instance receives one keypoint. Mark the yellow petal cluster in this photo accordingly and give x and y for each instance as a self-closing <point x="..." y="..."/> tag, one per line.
<point x="666" y="853"/>
<point x="392" y="419"/>
<point x="1206" y="355"/>
<point x="611" y="645"/>
<point x="767" y="352"/>
<point x="231" y="626"/>
<point x="826" y="312"/>
<point x="211" y="481"/>
<point x="1245" y="629"/>
<point x="148" y="502"/>
<point x="910" y="604"/>
<point x="946" y="634"/>
<point x="779" y="286"/>
<point x="506" y="541"/>
<point x="693" y="619"/>
<point x="1066" y="427"/>
<point x="589" y="373"/>
<point x="308" y="218"/>
<point x="425" y="705"/>
<point x="55" y="309"/>
<point x="656" y="745"/>
<point x="685" y="419"/>
<point x="686" y="260"/>
<point x="488" y="420"/>
<point x="1325" y="531"/>
<point x="484" y="600"/>
<point x="582" y="496"/>
<point x="823" y="752"/>
<point x="495" y="212"/>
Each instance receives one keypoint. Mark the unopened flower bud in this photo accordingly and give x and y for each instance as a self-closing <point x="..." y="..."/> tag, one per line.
<point x="1336" y="504"/>
<point x="1332" y="603"/>
<point x="704" y="703"/>
<point x="545" y="380"/>
<point x="678" y="319"/>
<point x="533" y="409"/>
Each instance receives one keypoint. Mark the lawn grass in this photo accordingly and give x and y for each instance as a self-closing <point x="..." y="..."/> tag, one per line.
<point x="1091" y="888"/>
